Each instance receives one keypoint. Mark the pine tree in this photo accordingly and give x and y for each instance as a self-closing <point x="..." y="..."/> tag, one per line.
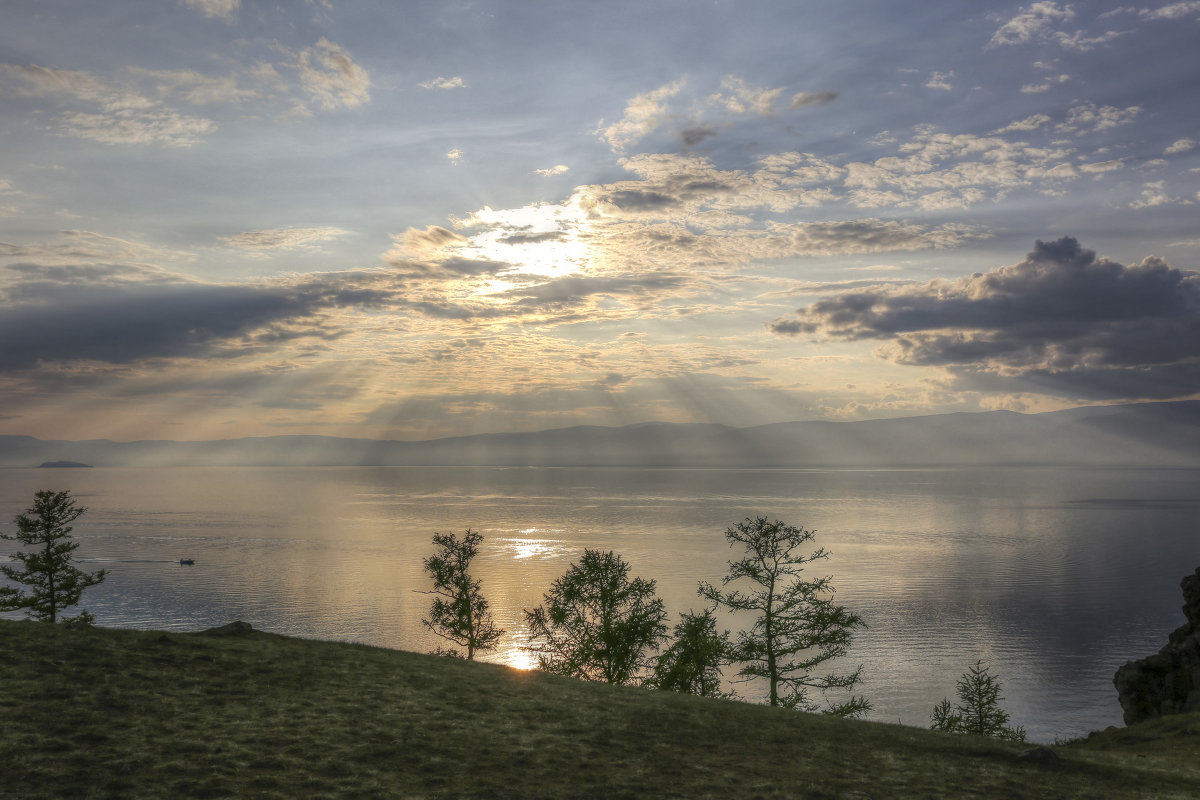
<point x="55" y="584"/>
<point x="692" y="664"/>
<point x="797" y="626"/>
<point x="459" y="612"/>
<point x="596" y="623"/>
<point x="978" y="710"/>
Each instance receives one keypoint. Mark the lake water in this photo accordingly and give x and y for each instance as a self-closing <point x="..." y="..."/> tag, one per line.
<point x="1054" y="577"/>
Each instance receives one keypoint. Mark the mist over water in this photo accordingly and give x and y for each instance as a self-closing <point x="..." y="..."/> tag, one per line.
<point x="1055" y="577"/>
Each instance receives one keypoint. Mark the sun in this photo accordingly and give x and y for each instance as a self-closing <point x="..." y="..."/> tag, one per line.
<point x="538" y="242"/>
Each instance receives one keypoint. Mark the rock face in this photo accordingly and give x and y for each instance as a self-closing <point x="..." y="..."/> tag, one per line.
<point x="1169" y="682"/>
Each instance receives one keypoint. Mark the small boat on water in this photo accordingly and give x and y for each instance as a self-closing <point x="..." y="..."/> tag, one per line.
<point x="186" y="562"/>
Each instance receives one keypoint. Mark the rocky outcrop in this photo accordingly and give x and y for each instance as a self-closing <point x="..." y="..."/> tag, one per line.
<point x="1169" y="682"/>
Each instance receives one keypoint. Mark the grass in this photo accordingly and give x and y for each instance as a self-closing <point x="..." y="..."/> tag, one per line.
<point x="118" y="714"/>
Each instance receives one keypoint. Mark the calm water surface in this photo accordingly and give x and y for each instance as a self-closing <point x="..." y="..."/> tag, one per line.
<point x="1054" y="577"/>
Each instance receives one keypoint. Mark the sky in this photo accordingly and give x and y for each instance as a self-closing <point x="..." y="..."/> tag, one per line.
<point x="227" y="218"/>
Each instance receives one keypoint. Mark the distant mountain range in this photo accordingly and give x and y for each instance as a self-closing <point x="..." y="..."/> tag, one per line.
<point x="1144" y="434"/>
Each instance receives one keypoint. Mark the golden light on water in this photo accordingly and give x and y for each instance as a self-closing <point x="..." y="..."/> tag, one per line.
<point x="520" y="657"/>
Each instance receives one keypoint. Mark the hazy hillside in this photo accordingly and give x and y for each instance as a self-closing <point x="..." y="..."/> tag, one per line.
<point x="1145" y="434"/>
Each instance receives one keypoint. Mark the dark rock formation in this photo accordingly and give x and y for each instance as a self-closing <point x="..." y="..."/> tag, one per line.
<point x="1169" y="682"/>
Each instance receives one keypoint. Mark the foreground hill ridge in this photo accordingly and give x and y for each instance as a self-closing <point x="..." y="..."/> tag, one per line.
<point x="235" y="712"/>
<point x="1147" y="434"/>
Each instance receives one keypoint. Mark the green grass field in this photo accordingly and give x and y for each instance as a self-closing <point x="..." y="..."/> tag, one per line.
<point x="130" y="714"/>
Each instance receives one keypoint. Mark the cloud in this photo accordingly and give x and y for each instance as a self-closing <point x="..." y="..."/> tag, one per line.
<point x="444" y="83"/>
<point x="127" y="323"/>
<point x="805" y="99"/>
<point x="197" y="88"/>
<point x="1172" y="11"/>
<point x="1062" y="316"/>
<point x="1028" y="124"/>
<point x="330" y="76"/>
<point x="1102" y="166"/>
<point x="214" y="8"/>
<point x="73" y="311"/>
<point x="1033" y="22"/>
<point x="1045" y="85"/>
<point x="73" y="246"/>
<point x="282" y="238"/>
<point x="1084" y="118"/>
<point x="455" y="155"/>
<point x="125" y="117"/>
<point x="1180" y="146"/>
<point x="740" y="98"/>
<point x="166" y="128"/>
<point x="1153" y="194"/>
<point x="941" y="170"/>
<point x="1083" y="43"/>
<point x="696" y="134"/>
<point x="643" y="115"/>
<point x="940" y="80"/>
<point x="557" y="169"/>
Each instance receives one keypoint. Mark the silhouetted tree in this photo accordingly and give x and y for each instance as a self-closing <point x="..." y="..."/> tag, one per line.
<point x="978" y="710"/>
<point x="797" y="627"/>
<point x="595" y="623"/>
<point x="55" y="584"/>
<point x="459" y="612"/>
<point x="692" y="664"/>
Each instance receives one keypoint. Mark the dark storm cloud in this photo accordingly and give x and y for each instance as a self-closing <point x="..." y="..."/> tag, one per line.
<point x="1062" y="318"/>
<point x="122" y="324"/>
<point x="694" y="136"/>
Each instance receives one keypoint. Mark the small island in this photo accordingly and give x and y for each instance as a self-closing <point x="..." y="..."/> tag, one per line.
<point x="62" y="465"/>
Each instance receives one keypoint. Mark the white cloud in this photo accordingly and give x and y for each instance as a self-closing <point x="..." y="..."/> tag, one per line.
<point x="330" y="75"/>
<point x="1180" y="146"/>
<point x="1082" y="42"/>
<point x="1172" y="11"/>
<point x="1044" y="86"/>
<point x="739" y="98"/>
<point x="557" y="169"/>
<point x="1090" y="118"/>
<point x="282" y="238"/>
<point x="1101" y="167"/>
<point x="940" y="80"/>
<point x="1032" y="22"/>
<point x="444" y="83"/>
<point x="1028" y="124"/>
<point x="454" y="155"/>
<point x="166" y="128"/>
<point x="643" y="115"/>
<point x="1153" y="194"/>
<point x="215" y="8"/>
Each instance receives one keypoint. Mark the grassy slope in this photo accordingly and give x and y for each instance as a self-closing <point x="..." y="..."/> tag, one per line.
<point x="107" y="713"/>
